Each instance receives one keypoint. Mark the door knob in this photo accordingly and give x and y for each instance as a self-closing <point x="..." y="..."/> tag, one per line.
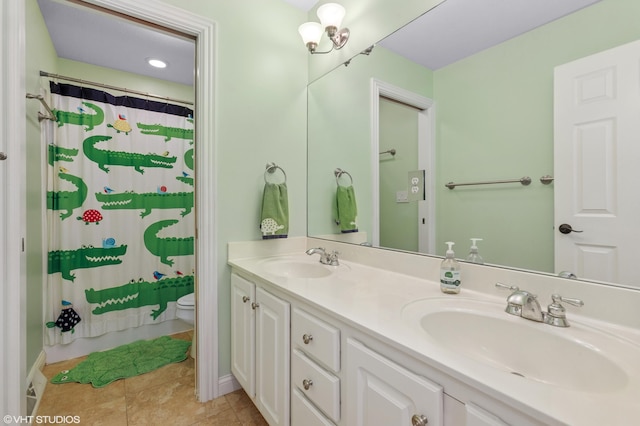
<point x="565" y="228"/>
<point x="3" y="156"/>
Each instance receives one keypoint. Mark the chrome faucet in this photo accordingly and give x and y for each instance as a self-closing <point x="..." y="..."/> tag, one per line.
<point x="325" y="258"/>
<point x="523" y="304"/>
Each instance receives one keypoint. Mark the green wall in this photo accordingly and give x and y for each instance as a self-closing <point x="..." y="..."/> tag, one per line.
<point x="39" y="53"/>
<point x="495" y="121"/>
<point x="260" y="116"/>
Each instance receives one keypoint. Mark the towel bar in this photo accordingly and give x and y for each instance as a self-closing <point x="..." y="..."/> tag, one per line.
<point x="526" y="180"/>
<point x="339" y="172"/>
<point x="271" y="168"/>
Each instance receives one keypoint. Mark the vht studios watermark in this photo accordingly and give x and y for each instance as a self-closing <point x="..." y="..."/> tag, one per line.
<point x="50" y="420"/>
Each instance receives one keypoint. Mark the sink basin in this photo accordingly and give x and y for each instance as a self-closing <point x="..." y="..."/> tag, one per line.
<point x="298" y="268"/>
<point x="578" y="358"/>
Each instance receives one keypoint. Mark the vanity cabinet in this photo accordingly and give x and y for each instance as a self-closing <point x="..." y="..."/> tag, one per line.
<point x="315" y="363"/>
<point x="381" y="392"/>
<point x="303" y="365"/>
<point x="260" y="357"/>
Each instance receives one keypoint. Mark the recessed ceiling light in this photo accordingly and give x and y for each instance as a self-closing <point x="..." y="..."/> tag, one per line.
<point x="157" y="63"/>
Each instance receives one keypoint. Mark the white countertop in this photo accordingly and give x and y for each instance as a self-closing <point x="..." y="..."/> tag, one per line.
<point x="373" y="299"/>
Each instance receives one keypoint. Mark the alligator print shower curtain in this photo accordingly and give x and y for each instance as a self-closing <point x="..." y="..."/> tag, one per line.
<point x="119" y="210"/>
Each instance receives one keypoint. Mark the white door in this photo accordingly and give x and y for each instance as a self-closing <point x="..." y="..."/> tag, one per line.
<point x="272" y="358"/>
<point x="383" y="393"/>
<point x="243" y="333"/>
<point x="597" y="165"/>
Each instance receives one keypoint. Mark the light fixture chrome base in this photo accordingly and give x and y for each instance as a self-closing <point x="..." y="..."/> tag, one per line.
<point x="340" y="38"/>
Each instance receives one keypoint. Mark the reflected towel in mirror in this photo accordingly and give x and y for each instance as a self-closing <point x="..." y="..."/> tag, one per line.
<point x="346" y="209"/>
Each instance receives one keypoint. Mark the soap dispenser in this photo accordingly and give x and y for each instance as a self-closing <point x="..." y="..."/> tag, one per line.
<point x="450" y="272"/>
<point x="474" y="257"/>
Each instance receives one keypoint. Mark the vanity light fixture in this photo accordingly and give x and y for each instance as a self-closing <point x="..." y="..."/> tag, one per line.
<point x="331" y="15"/>
<point x="157" y="63"/>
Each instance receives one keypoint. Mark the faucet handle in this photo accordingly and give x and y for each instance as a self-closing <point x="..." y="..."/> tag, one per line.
<point x="556" y="314"/>
<point x="557" y="299"/>
<point x="507" y="287"/>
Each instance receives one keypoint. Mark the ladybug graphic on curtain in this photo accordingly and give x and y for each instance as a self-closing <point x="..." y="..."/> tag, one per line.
<point x="67" y="319"/>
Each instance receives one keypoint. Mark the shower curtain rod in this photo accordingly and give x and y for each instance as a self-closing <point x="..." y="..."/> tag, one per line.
<point x="106" y="86"/>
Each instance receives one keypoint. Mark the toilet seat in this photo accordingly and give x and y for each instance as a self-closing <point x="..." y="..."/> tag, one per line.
<point x="187" y="301"/>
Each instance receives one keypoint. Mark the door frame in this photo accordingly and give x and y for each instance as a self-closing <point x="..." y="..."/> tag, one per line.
<point x="204" y="30"/>
<point x="12" y="209"/>
<point x="426" y="159"/>
<point x="13" y="124"/>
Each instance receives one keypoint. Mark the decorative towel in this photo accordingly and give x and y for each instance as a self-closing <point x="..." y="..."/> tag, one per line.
<point x="346" y="210"/>
<point x="274" y="220"/>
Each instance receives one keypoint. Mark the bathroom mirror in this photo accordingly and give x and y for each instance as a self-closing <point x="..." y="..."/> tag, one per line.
<point x="491" y="118"/>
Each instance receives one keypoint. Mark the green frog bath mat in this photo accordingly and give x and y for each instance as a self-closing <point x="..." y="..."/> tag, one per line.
<point x="102" y="368"/>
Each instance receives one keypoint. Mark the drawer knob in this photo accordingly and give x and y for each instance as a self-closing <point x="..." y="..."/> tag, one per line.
<point x="307" y="383"/>
<point x="255" y="305"/>
<point x="245" y="299"/>
<point x="306" y="338"/>
<point x="419" y="420"/>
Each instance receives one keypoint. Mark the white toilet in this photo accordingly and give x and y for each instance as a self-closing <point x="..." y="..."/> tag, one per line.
<point x="186" y="311"/>
<point x="186" y="308"/>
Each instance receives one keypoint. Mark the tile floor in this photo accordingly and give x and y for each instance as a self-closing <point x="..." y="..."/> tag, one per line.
<point x="164" y="396"/>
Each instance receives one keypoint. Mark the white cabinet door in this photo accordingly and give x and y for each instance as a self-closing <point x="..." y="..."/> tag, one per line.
<point x="272" y="358"/>
<point x="477" y="416"/>
<point x="382" y="393"/>
<point x="243" y="333"/>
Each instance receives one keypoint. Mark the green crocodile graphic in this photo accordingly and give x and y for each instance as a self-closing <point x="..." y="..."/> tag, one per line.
<point x="81" y="119"/>
<point x="65" y="261"/>
<point x="119" y="158"/>
<point x="58" y="153"/>
<point x="147" y="201"/>
<point x="165" y="247"/>
<point x="188" y="161"/>
<point x="138" y="294"/>
<point x="67" y="200"/>
<point x="167" y="132"/>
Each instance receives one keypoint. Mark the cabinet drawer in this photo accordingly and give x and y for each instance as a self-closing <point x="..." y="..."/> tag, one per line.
<point x="316" y="338"/>
<point x="323" y="387"/>
<point x="304" y="413"/>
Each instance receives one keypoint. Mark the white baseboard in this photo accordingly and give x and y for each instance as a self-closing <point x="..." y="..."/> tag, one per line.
<point x="228" y="384"/>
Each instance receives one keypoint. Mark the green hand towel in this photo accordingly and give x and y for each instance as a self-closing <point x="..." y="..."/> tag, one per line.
<point x="346" y="209"/>
<point x="274" y="220"/>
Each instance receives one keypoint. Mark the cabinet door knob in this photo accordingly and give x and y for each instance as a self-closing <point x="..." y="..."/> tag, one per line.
<point x="245" y="299"/>
<point x="255" y="305"/>
<point x="307" y="383"/>
<point x="306" y="338"/>
<point x="419" y="420"/>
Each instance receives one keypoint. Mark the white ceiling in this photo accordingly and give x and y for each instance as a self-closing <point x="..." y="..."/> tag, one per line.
<point x="85" y="35"/>
<point x="453" y="30"/>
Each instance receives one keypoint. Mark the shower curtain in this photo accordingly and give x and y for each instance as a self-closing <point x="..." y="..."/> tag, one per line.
<point x="120" y="218"/>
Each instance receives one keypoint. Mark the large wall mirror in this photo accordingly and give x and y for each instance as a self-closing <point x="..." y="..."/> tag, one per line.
<point x="447" y="108"/>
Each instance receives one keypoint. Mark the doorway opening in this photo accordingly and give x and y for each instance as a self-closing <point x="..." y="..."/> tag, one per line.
<point x="421" y="146"/>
